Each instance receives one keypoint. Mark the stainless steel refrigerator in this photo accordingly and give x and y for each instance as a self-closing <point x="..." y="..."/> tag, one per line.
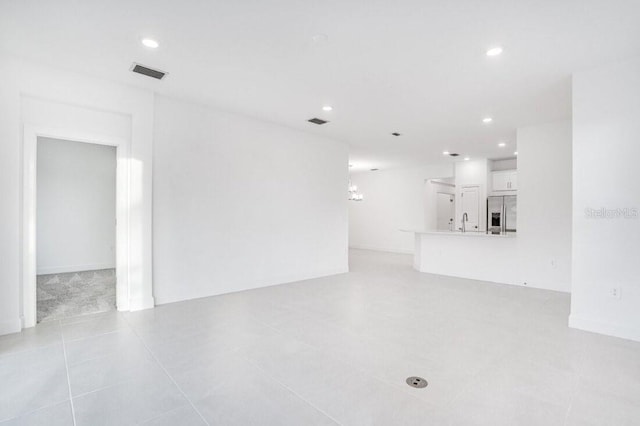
<point x="502" y="214"/>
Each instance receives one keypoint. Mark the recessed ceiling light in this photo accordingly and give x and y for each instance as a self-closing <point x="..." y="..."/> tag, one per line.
<point x="502" y="144"/>
<point x="150" y="43"/>
<point x="494" y="51"/>
<point x="467" y="158"/>
<point x="327" y="108"/>
<point x="515" y="153"/>
<point x="487" y="120"/>
<point x="445" y="152"/>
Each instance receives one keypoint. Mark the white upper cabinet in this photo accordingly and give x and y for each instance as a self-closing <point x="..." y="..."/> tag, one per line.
<point x="513" y="180"/>
<point x="506" y="180"/>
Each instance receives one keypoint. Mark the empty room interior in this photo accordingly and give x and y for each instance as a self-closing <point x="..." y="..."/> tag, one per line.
<point x="75" y="229"/>
<point x="320" y="213"/>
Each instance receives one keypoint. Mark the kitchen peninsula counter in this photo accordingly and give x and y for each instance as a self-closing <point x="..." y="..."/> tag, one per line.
<point x="474" y="255"/>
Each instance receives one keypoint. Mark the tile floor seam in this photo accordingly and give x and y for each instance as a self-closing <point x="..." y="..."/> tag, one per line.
<point x="354" y="366"/>
<point x="89" y="337"/>
<point x="66" y="366"/>
<point x="142" y="422"/>
<point x="83" y="394"/>
<point x="275" y="334"/>
<point x="84" y="361"/>
<point x="296" y="394"/>
<point x="467" y="386"/>
<point x="284" y="334"/>
<point x="331" y="324"/>
<point x="8" y="354"/>
<point x="184" y="395"/>
<point x="97" y="316"/>
<point x="576" y="385"/>
<point x="101" y="388"/>
<point x="94" y="358"/>
<point x="21" y="338"/>
<point x="35" y="410"/>
<point x="373" y="375"/>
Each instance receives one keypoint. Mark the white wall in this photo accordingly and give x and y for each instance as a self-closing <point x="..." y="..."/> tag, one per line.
<point x="606" y="149"/>
<point x="544" y="205"/>
<point x="76" y="206"/>
<point x="36" y="96"/>
<point x="240" y="203"/>
<point x="393" y="200"/>
<point x="504" y="164"/>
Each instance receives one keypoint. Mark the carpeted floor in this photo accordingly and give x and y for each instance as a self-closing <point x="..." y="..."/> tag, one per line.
<point x="75" y="293"/>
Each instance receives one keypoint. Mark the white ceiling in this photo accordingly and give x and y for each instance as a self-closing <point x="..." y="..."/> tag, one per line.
<point x="413" y="66"/>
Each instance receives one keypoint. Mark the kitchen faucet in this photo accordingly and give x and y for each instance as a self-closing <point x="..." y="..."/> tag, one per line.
<point x="465" y="218"/>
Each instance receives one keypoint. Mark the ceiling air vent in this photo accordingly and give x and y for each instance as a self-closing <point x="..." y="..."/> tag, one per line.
<point x="453" y="154"/>
<point x="149" y="72"/>
<point x="317" y="121"/>
<point x="395" y="134"/>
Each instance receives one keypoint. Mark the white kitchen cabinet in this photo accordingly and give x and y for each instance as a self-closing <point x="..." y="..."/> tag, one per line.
<point x="506" y="180"/>
<point x="513" y="180"/>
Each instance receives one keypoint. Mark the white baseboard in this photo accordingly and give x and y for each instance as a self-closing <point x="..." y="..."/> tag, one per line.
<point x="141" y="304"/>
<point x="601" y="327"/>
<point x="383" y="249"/>
<point x="76" y="268"/>
<point x="287" y="279"/>
<point x="10" y="326"/>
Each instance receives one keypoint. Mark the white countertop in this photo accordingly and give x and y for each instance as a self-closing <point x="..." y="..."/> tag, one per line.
<point x="477" y="234"/>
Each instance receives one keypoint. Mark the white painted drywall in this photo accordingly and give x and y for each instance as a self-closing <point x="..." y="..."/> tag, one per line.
<point x="393" y="199"/>
<point x="606" y="250"/>
<point x="503" y="164"/>
<point x="76" y="206"/>
<point x="544" y="205"/>
<point x="37" y="96"/>
<point x="240" y="203"/>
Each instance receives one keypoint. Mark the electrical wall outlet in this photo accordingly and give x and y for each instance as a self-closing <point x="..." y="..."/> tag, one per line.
<point x="615" y="292"/>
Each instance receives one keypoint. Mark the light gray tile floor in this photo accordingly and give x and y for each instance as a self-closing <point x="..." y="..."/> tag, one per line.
<point x="334" y="350"/>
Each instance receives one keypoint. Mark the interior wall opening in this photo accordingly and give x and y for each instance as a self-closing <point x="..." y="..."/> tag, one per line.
<point x="75" y="228"/>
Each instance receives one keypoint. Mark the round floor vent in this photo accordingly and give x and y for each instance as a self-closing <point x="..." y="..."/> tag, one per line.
<point x="417" y="382"/>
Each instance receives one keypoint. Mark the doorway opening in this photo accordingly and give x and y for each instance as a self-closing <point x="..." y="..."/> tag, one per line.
<point x="439" y="204"/>
<point x="446" y="211"/>
<point x="470" y="207"/>
<point x="75" y="228"/>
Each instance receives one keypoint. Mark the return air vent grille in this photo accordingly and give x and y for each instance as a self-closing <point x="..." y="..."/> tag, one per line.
<point x="149" y="72"/>
<point x="318" y="121"/>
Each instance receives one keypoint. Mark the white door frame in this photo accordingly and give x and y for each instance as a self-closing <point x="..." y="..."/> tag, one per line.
<point x="30" y="153"/>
